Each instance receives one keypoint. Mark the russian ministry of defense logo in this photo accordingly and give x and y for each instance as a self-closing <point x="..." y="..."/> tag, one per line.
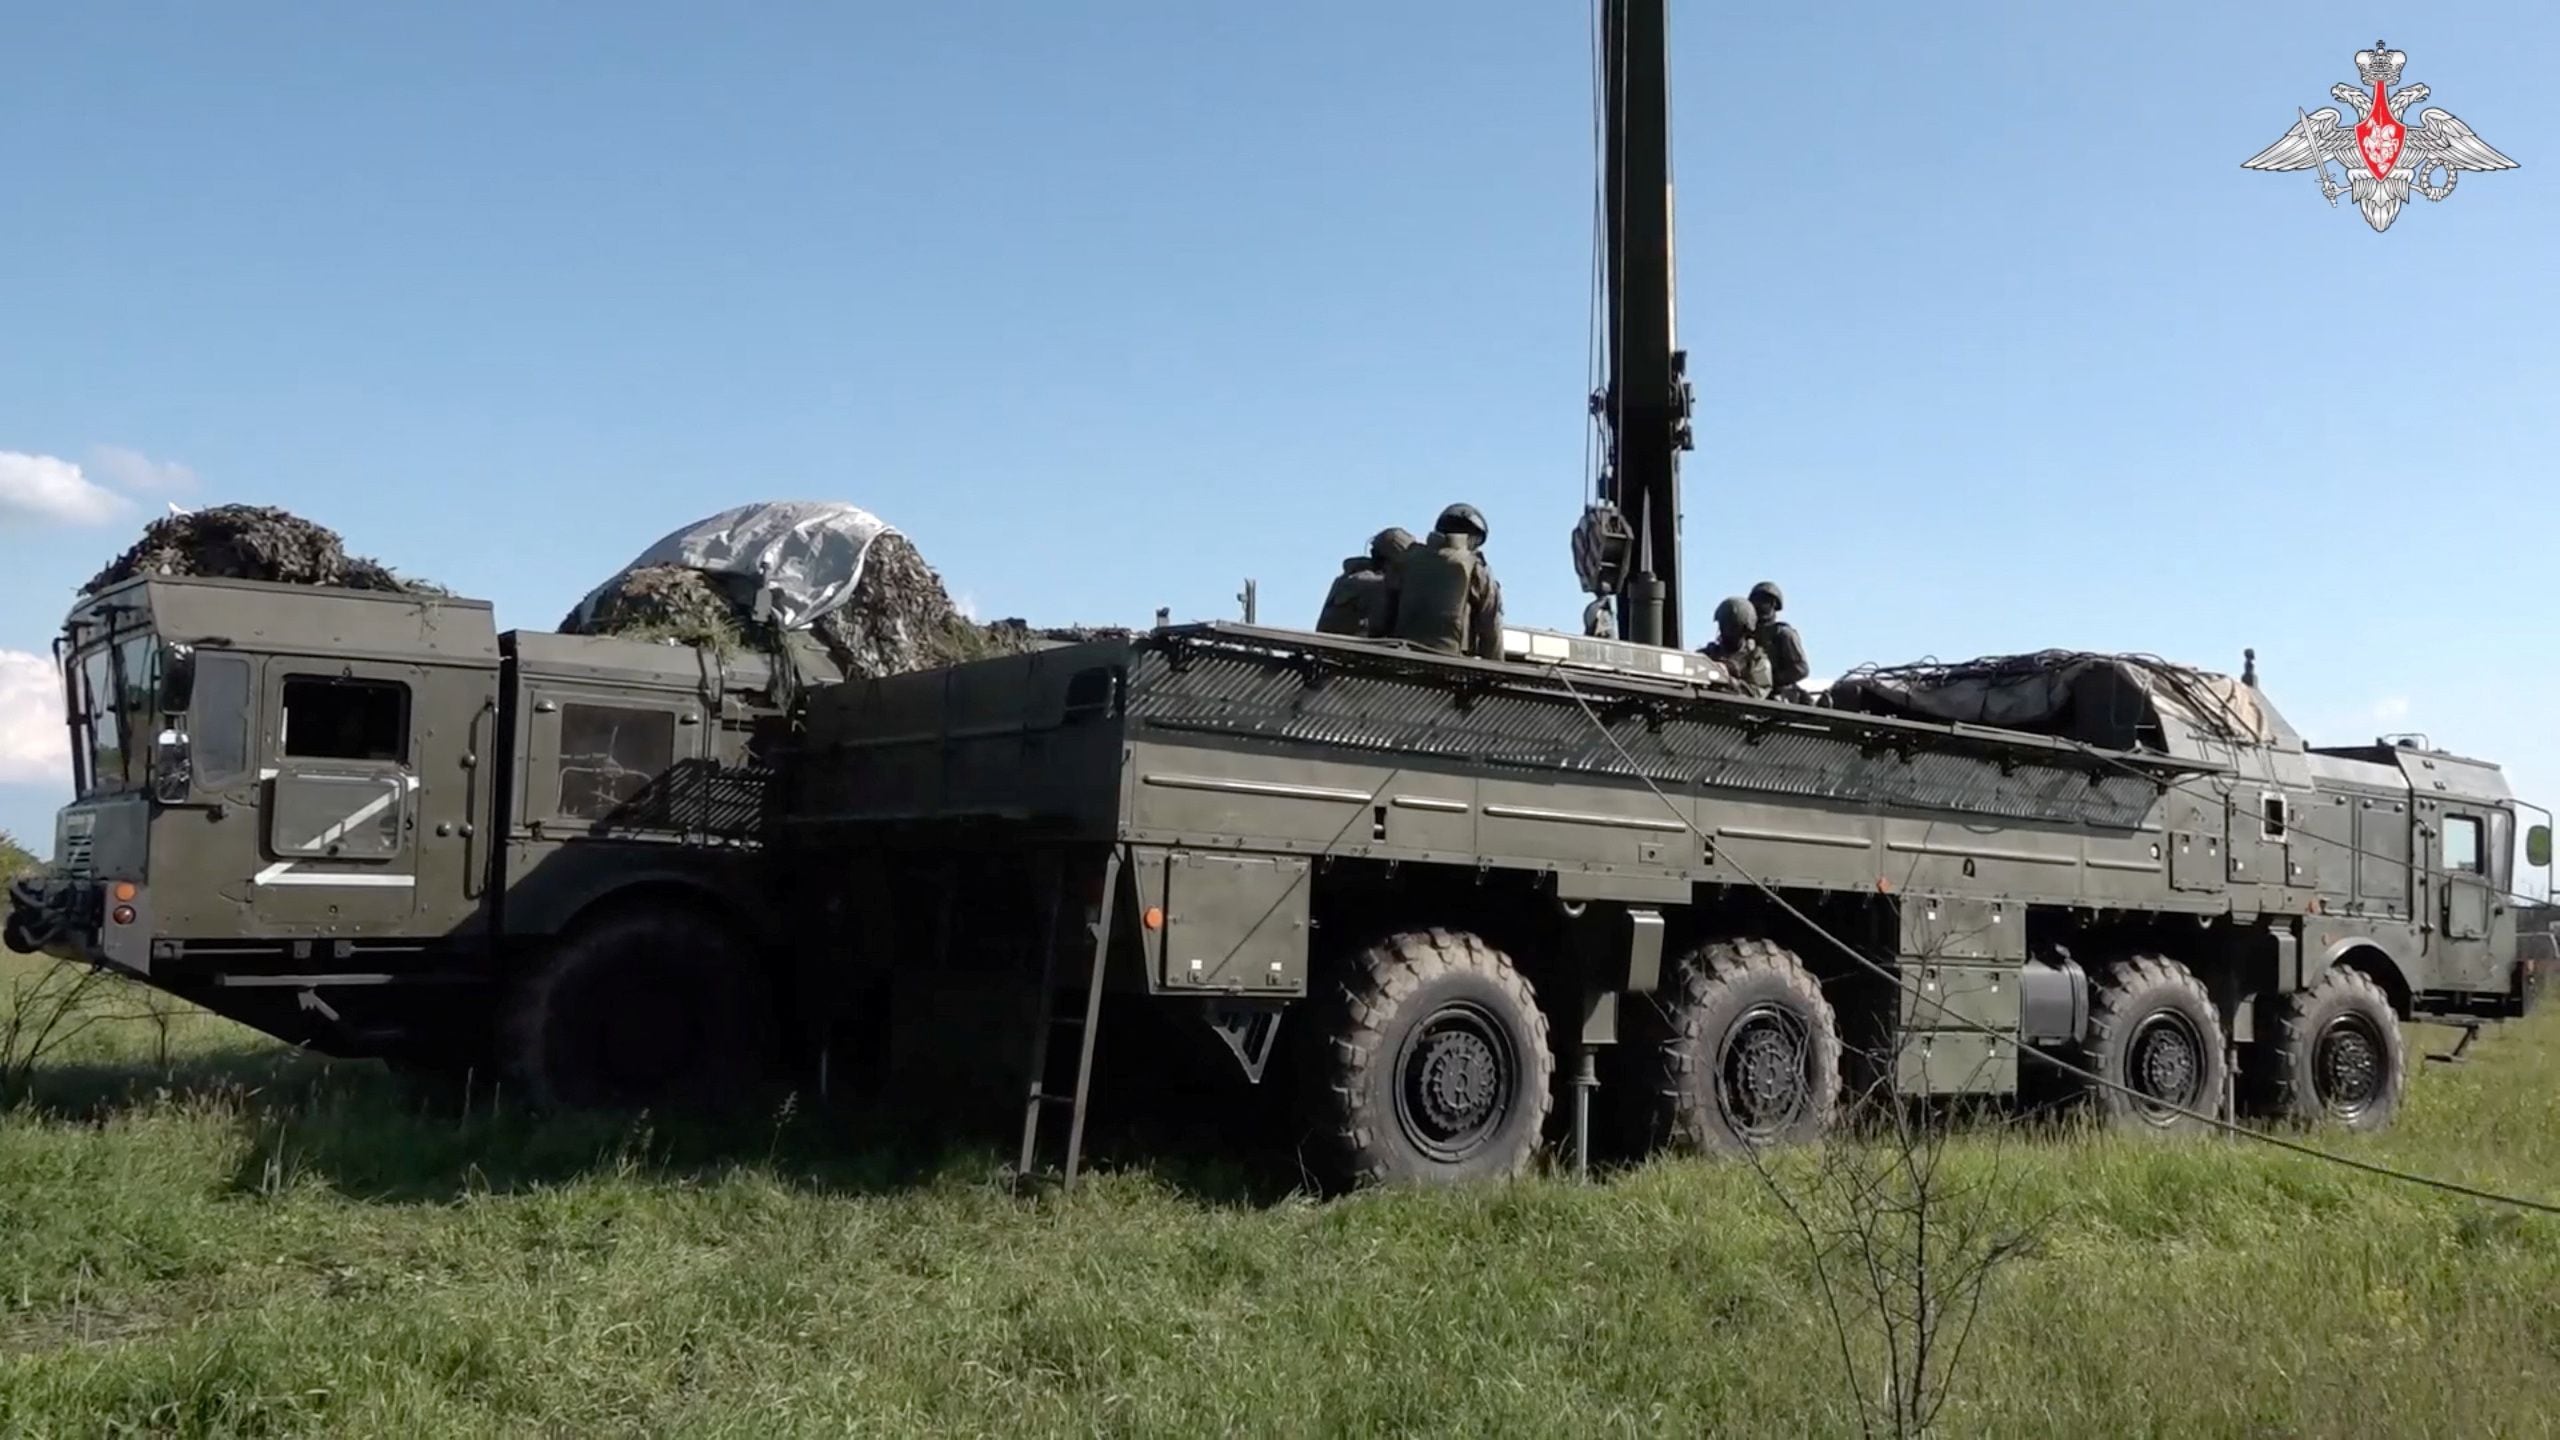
<point x="2382" y="155"/>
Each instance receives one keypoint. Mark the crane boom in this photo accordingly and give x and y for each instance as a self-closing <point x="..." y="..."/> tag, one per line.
<point x="1628" y="542"/>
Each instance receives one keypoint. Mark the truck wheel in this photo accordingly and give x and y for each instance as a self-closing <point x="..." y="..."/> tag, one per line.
<point x="2337" y="1054"/>
<point x="2153" y="1032"/>
<point x="1434" y="1064"/>
<point x="658" y="1008"/>
<point x="1738" y="1050"/>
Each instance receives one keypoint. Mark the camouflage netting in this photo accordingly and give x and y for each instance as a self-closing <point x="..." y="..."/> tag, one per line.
<point x="249" y="542"/>
<point x="900" y="617"/>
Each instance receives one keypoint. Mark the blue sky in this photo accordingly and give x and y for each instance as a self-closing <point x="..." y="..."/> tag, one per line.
<point x="1111" y="306"/>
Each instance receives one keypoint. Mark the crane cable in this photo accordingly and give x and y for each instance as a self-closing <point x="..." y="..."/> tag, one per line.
<point x="1895" y="979"/>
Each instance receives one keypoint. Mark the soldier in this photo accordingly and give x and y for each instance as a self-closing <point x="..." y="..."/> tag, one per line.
<point x="1778" y="640"/>
<point x="1442" y="595"/>
<point x="1357" y="603"/>
<point x="1734" y="647"/>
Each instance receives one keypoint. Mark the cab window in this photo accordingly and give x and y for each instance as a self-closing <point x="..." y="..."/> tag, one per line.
<point x="2462" y="845"/>
<point x="218" y="719"/>
<point x="327" y="718"/>
<point x="611" y="756"/>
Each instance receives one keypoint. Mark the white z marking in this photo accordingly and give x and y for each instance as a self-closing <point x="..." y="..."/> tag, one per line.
<point x="283" y="873"/>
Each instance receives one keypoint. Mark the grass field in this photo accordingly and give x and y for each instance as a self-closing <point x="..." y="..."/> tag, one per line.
<point x="206" y="1234"/>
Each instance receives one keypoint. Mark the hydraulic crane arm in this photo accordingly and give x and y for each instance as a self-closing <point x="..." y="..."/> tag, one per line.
<point x="1628" y="543"/>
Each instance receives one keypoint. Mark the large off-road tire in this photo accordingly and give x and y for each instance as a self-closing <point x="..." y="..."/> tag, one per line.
<point x="1431" y="1064"/>
<point x="2336" y="1055"/>
<point x="1738" y="1050"/>
<point x="2154" y="1031"/>
<point x="660" y="1008"/>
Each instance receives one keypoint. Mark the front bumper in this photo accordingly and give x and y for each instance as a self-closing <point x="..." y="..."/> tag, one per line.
<point x="61" y="918"/>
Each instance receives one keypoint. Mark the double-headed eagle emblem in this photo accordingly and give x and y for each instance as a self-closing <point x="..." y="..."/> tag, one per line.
<point x="2383" y="156"/>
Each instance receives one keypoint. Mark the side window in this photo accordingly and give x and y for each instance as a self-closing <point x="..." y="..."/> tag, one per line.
<point x="610" y="755"/>
<point x="2502" y="848"/>
<point x="2461" y="845"/>
<point x="332" y="719"/>
<point x="2271" y="816"/>
<point x="218" y="718"/>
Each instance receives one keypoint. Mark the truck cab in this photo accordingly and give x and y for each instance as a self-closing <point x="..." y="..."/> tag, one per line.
<point x="351" y="819"/>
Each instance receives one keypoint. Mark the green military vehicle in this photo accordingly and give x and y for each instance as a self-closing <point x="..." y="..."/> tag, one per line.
<point x="1427" y="895"/>
<point x="1447" y="873"/>
<point x="624" y="872"/>
<point x="367" y="822"/>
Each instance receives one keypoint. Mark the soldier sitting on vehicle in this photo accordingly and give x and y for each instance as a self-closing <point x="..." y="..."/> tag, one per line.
<point x="1357" y="603"/>
<point x="1735" y="648"/>
<point x="1441" y="596"/>
<point x="1779" y="641"/>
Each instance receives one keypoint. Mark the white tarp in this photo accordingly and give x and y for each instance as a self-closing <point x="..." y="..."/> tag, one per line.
<point x="807" y="553"/>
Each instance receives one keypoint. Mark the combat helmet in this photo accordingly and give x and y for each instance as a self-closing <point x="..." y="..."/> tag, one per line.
<point x="1462" y="519"/>
<point x="1768" y="590"/>
<point x="1389" y="543"/>
<point x="1735" y="613"/>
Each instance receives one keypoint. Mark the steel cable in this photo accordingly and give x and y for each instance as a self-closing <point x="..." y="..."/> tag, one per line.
<point x="1894" y="978"/>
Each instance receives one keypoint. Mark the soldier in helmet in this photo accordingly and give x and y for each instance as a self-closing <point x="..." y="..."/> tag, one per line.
<point x="1357" y="603"/>
<point x="1736" y="649"/>
<point x="1778" y="640"/>
<point x="1442" y="595"/>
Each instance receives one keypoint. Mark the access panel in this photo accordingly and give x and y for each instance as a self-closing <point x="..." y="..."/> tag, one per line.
<point x="1234" y="923"/>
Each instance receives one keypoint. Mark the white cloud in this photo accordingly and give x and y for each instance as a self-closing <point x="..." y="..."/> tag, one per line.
<point x="2390" y="708"/>
<point x="966" y="605"/>
<point x="42" y="489"/>
<point x="129" y="469"/>
<point x="34" y="747"/>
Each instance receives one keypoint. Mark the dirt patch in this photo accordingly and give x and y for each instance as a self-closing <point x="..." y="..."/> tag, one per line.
<point x="250" y="542"/>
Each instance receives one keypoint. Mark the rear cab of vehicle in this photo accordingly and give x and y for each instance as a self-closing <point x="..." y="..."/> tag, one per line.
<point x="271" y="782"/>
<point x="2435" y="840"/>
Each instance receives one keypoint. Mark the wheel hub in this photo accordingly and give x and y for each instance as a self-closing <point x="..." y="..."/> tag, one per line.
<point x="2166" y="1065"/>
<point x="2347" y="1066"/>
<point x="1762" y="1069"/>
<point x="1455" y="1081"/>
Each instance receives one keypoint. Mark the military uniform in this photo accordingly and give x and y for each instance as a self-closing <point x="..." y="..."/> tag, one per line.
<point x="1744" y="657"/>
<point x="1441" y="596"/>
<point x="1778" y="639"/>
<point x="1736" y="648"/>
<point x="1785" y="650"/>
<point x="1357" y="602"/>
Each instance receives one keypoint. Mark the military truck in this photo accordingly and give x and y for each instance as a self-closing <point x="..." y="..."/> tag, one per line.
<point x="1447" y="875"/>
<point x="1427" y="893"/>
<point x="369" y="823"/>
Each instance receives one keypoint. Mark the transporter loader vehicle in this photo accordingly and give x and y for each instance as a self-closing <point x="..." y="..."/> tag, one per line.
<point x="1455" y="908"/>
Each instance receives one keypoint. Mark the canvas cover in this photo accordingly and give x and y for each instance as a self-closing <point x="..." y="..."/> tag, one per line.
<point x="2118" y="702"/>
<point x="807" y="554"/>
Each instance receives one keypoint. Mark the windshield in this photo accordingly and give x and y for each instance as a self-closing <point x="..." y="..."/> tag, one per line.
<point x="116" y="689"/>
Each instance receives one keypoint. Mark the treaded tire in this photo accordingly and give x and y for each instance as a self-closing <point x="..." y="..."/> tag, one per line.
<point x="1723" y="1004"/>
<point x="2337" y="1056"/>
<point x="1432" y="1064"/>
<point x="2153" y="1028"/>
<point x="656" y="1008"/>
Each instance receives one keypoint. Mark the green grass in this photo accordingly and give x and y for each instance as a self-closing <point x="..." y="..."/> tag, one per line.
<point x="231" y="1239"/>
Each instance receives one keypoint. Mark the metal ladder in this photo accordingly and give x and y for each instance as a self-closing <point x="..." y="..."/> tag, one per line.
<point x="1053" y="1017"/>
